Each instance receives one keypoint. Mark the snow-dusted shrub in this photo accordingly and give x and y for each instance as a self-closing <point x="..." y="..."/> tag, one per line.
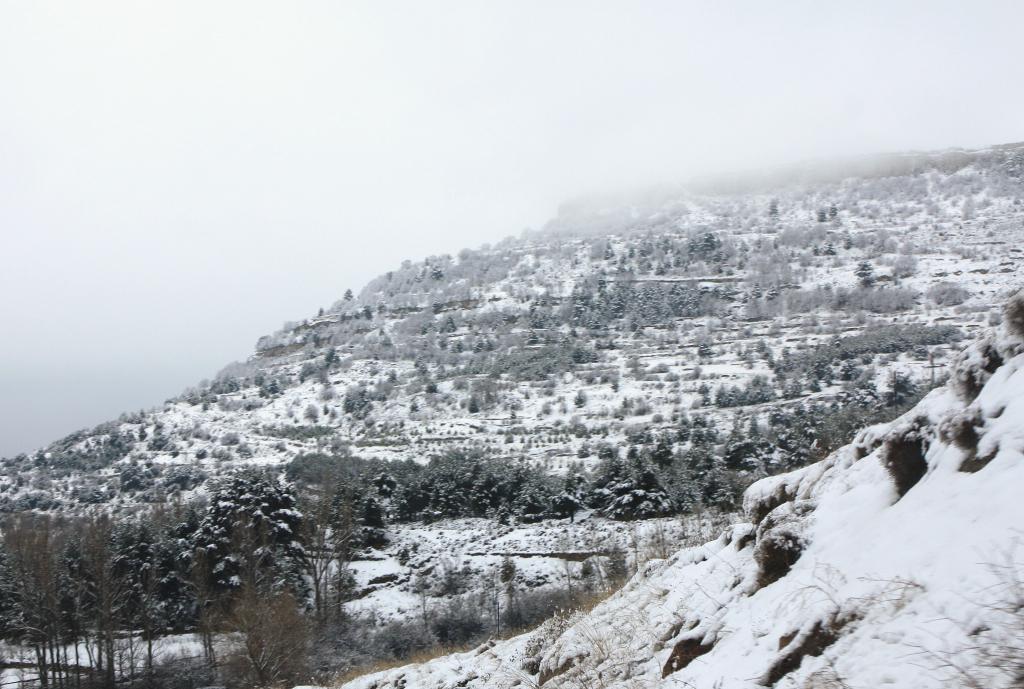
<point x="758" y="504"/>
<point x="542" y="639"/>
<point x="992" y="651"/>
<point x="973" y="367"/>
<point x="885" y="300"/>
<point x="457" y="623"/>
<point x="34" y="500"/>
<point x="904" y="266"/>
<point x="947" y="294"/>
<point x="903" y="456"/>
<point x="961" y="429"/>
<point x="780" y="540"/>
<point x="183" y="476"/>
<point x="1013" y="315"/>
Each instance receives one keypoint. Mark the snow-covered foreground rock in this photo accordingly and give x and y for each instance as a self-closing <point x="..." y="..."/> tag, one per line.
<point x="898" y="561"/>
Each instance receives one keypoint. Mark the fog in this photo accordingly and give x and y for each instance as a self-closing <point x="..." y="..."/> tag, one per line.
<point x="178" y="178"/>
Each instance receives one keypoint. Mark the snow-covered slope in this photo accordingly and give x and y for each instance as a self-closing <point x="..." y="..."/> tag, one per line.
<point x="898" y="561"/>
<point x="610" y="327"/>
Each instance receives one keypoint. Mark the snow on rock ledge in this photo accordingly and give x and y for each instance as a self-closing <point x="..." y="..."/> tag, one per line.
<point x="889" y="564"/>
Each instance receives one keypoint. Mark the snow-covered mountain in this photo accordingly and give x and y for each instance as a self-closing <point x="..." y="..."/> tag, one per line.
<point x="779" y="303"/>
<point x="897" y="561"/>
<point x="474" y="441"/>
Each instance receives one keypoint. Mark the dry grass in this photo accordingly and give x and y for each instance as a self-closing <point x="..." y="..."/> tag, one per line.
<point x="584" y="603"/>
<point x="992" y="653"/>
<point x="780" y="542"/>
<point x="813" y="642"/>
<point x="416" y="658"/>
<point x="658" y="545"/>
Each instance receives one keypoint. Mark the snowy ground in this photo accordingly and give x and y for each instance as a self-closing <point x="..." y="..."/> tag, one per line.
<point x="131" y="652"/>
<point x="547" y="555"/>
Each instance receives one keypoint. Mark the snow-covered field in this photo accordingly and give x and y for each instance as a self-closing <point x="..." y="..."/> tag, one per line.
<point x="549" y="555"/>
<point x="18" y="662"/>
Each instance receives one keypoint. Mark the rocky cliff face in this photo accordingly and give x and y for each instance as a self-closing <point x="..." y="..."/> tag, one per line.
<point x="898" y="561"/>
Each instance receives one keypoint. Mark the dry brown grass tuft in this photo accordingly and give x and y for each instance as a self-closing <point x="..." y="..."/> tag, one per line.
<point x="416" y="658"/>
<point x="813" y="642"/>
<point x="684" y="653"/>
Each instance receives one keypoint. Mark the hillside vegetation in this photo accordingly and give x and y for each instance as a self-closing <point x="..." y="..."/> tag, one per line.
<point x="735" y="321"/>
<point x="472" y="445"/>
<point x="896" y="561"/>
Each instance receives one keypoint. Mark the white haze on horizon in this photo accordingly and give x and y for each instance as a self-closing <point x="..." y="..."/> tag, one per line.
<point x="178" y="178"/>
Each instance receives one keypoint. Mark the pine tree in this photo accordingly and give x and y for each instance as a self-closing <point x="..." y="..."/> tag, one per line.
<point x="371" y="514"/>
<point x="719" y="488"/>
<point x="568" y="502"/>
<point x="865" y="273"/>
<point x="662" y="455"/>
<point x="638" y="495"/>
<point x="330" y="357"/>
<point x="900" y="388"/>
<point x="385" y="484"/>
<point x="10" y="611"/>
<point x="249" y="534"/>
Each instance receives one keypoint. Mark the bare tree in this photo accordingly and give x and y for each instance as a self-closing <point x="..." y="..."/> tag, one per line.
<point x="273" y="639"/>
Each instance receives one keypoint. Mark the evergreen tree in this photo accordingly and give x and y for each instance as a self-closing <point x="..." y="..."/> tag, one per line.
<point x="900" y="388"/>
<point x="639" y="495"/>
<point x="662" y="455"/>
<point x="580" y="400"/>
<point x="249" y="534"/>
<point x="865" y="273"/>
<point x="371" y="514"/>
<point x="719" y="488"/>
<point x="568" y="502"/>
<point x="10" y="610"/>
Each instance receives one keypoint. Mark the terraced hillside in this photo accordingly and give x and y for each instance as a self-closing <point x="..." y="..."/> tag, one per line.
<point x="894" y="562"/>
<point x="616" y="326"/>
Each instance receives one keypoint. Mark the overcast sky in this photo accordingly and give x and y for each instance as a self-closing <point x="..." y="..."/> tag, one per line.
<point x="178" y="178"/>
